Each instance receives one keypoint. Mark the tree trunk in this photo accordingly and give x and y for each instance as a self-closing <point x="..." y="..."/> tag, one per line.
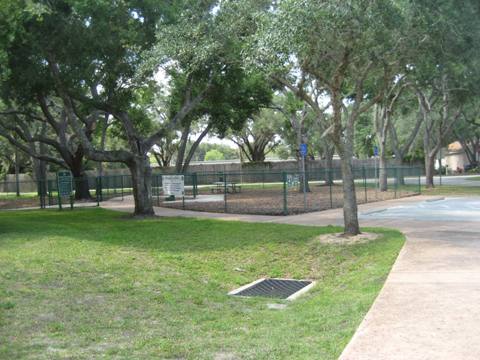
<point x="399" y="151"/>
<point x="300" y="139"/>
<point x="349" y="198"/>
<point x="382" y="121"/>
<point x="344" y="145"/>
<point x="103" y="140"/>
<point x="142" y="186"/>
<point x="17" y="173"/>
<point x="194" y="148"/>
<point x="258" y="154"/>
<point x="400" y="177"/>
<point x="350" y="209"/>
<point x="40" y="166"/>
<point x="382" y="169"/>
<point x="82" y="188"/>
<point x="182" y="148"/>
<point x="40" y="176"/>
<point x="301" y="174"/>
<point x="429" y="170"/>
<point x="161" y="161"/>
<point x="80" y="178"/>
<point x="329" y="151"/>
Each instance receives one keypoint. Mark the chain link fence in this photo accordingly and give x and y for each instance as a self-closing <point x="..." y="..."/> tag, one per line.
<point x="282" y="193"/>
<point x="254" y="192"/>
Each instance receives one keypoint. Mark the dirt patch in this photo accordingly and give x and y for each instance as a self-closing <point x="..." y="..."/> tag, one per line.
<point x="342" y="239"/>
<point x="14" y="203"/>
<point x="270" y="201"/>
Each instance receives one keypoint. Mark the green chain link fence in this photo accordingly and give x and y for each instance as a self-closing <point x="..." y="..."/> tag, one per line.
<point x="248" y="192"/>
<point x="281" y="193"/>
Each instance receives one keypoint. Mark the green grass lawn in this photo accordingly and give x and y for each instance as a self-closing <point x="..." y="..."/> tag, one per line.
<point x="13" y="196"/>
<point x="443" y="190"/>
<point x="452" y="190"/>
<point x="94" y="284"/>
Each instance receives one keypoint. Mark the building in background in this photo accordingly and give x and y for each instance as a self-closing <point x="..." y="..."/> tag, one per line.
<point x="456" y="159"/>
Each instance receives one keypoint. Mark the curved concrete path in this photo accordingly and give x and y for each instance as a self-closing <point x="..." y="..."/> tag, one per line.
<point x="429" y="307"/>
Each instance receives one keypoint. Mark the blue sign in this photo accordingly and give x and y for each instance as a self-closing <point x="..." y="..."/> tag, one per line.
<point x="375" y="150"/>
<point x="303" y="149"/>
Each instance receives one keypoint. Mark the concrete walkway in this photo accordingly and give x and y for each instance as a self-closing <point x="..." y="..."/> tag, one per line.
<point x="429" y="307"/>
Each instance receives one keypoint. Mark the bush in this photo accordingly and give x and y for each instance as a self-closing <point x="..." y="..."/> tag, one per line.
<point x="214" y="154"/>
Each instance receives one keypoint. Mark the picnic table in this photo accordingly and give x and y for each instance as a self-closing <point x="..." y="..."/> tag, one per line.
<point x="231" y="187"/>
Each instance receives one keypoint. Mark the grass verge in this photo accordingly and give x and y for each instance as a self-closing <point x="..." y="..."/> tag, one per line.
<point x="91" y="283"/>
<point x="451" y="190"/>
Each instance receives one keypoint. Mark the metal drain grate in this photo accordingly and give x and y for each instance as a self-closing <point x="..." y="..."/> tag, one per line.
<point x="274" y="288"/>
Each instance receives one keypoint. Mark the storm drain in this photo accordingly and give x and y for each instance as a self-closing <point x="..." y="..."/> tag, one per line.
<point x="274" y="288"/>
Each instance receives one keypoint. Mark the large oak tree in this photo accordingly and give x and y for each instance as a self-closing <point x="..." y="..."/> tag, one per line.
<point x="348" y="48"/>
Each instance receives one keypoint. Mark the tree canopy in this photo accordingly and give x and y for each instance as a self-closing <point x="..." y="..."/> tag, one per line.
<point x="85" y="81"/>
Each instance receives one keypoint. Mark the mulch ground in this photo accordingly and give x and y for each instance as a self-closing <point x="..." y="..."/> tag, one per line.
<point x="271" y="201"/>
<point x="18" y="203"/>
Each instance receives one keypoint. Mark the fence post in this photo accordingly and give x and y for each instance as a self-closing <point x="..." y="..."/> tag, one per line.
<point x="17" y="174"/>
<point x="155" y="188"/>
<point x="41" y="193"/>
<point x="195" y="184"/>
<point x="97" y="193"/>
<point x="419" y="181"/>
<point x="225" y="191"/>
<point x="183" y="197"/>
<point x="49" y="190"/>
<point x="364" y="173"/>
<point x="330" y="184"/>
<point x="121" y="184"/>
<point x="285" y="205"/>
<point x="100" y="188"/>
<point x="58" y="194"/>
<point x="396" y="180"/>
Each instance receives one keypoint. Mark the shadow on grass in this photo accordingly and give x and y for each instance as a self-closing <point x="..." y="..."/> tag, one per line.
<point x="163" y="234"/>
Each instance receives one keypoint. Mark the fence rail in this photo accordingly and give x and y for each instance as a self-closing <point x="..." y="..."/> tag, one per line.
<point x="247" y="192"/>
<point x="281" y="193"/>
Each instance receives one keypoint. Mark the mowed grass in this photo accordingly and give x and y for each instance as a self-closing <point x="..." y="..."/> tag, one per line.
<point x="452" y="190"/>
<point x="92" y="283"/>
<point x="13" y="196"/>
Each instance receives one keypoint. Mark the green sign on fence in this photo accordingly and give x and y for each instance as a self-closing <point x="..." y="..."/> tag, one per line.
<point x="64" y="179"/>
<point x="65" y="187"/>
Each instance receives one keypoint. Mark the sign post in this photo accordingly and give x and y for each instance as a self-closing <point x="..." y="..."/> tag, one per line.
<point x="303" y="153"/>
<point x="64" y="187"/>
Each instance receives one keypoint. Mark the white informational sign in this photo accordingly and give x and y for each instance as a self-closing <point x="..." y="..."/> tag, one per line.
<point x="292" y="180"/>
<point x="173" y="185"/>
